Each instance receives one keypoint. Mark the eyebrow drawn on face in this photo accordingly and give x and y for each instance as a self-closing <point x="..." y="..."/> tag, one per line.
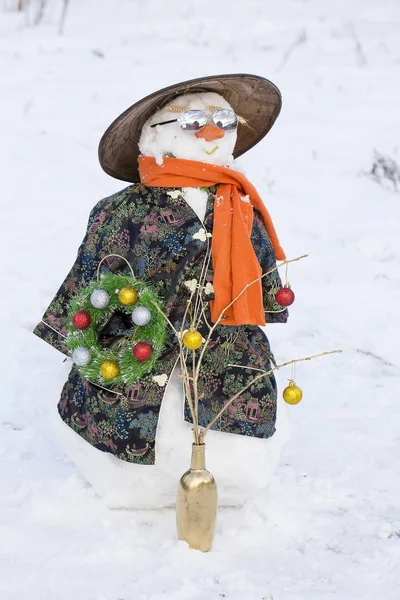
<point x="176" y="109"/>
<point x="180" y="109"/>
<point x="212" y="108"/>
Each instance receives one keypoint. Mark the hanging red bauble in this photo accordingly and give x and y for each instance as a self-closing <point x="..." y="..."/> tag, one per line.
<point x="285" y="296"/>
<point x="81" y="319"/>
<point x="142" y="351"/>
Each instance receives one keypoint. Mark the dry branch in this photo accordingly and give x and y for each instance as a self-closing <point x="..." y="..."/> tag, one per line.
<point x="253" y="381"/>
<point x="63" y="17"/>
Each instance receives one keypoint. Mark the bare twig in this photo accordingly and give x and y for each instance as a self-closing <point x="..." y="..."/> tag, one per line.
<point x="63" y="17"/>
<point x="242" y="367"/>
<point x="40" y="12"/>
<point x="195" y="391"/>
<point x="203" y="312"/>
<point x="188" y="305"/>
<point x="185" y="371"/>
<point x="202" y="280"/>
<point x="285" y="262"/>
<point x="217" y="322"/>
<point x="380" y="359"/>
<point x="253" y="381"/>
<point x="362" y="59"/>
<point x="299" y="41"/>
<point x="166" y="318"/>
<point x="183" y="364"/>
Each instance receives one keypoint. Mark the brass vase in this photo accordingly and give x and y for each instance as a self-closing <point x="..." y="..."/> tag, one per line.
<point x="196" y="505"/>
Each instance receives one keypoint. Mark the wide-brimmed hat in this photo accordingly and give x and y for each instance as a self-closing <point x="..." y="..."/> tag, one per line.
<point x="254" y="98"/>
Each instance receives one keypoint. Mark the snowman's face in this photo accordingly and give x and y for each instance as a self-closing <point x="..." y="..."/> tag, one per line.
<point x="211" y="144"/>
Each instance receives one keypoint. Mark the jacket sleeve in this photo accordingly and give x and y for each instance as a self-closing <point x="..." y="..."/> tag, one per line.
<point x="274" y="313"/>
<point x="52" y="328"/>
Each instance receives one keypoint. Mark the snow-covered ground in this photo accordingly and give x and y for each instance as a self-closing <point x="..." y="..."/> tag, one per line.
<point x="329" y="527"/>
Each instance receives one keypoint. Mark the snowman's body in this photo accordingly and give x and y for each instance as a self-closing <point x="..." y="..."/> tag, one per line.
<point x="241" y="465"/>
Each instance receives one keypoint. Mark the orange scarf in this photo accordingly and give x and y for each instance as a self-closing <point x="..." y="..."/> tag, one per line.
<point x="234" y="261"/>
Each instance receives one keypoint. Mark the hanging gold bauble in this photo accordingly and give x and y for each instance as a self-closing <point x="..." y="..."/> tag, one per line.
<point x="127" y="296"/>
<point x="192" y="340"/>
<point x="292" y="394"/>
<point x="109" y="369"/>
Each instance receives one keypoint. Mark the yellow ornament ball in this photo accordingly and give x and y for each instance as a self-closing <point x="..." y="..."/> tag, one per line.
<point x="192" y="340"/>
<point x="109" y="369"/>
<point x="292" y="394"/>
<point x="127" y="296"/>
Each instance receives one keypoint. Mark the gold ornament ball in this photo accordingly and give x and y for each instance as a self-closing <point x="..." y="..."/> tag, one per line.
<point x="192" y="340"/>
<point x="109" y="369"/>
<point x="127" y="296"/>
<point x="292" y="394"/>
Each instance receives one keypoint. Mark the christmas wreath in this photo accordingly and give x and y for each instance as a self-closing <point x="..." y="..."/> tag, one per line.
<point x="131" y="355"/>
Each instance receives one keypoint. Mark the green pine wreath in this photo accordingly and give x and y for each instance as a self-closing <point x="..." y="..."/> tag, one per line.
<point x="130" y="370"/>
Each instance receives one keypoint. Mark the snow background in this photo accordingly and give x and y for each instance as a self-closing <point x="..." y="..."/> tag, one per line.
<point x="329" y="528"/>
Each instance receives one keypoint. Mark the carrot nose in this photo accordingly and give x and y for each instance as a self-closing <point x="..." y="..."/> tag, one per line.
<point x="210" y="133"/>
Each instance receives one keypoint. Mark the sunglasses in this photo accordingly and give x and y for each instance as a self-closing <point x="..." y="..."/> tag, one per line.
<point x="193" y="121"/>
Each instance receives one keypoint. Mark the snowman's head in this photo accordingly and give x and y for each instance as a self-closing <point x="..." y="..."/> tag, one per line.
<point x="200" y="126"/>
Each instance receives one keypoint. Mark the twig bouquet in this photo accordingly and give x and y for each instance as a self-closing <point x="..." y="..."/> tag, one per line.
<point x="197" y="491"/>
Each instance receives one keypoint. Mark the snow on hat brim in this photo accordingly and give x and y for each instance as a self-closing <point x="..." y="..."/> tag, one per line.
<point x="254" y="98"/>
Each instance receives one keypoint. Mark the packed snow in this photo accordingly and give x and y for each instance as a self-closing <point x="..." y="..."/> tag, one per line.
<point x="169" y="139"/>
<point x="328" y="528"/>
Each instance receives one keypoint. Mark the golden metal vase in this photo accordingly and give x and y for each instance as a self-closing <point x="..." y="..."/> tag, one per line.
<point x="196" y="505"/>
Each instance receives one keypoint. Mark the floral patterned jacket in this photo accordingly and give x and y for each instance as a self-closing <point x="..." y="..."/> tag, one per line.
<point x="166" y="243"/>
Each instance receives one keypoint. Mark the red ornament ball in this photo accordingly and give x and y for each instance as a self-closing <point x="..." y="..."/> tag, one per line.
<point x="142" y="351"/>
<point x="81" y="319"/>
<point x="285" y="296"/>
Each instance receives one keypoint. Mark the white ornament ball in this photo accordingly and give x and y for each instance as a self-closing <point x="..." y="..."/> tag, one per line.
<point x="81" y="356"/>
<point x="100" y="299"/>
<point x="141" y="316"/>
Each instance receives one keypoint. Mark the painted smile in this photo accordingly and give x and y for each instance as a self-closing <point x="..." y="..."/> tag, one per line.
<point x="211" y="151"/>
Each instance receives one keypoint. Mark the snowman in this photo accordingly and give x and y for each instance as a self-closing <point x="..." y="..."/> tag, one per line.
<point x="177" y="148"/>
